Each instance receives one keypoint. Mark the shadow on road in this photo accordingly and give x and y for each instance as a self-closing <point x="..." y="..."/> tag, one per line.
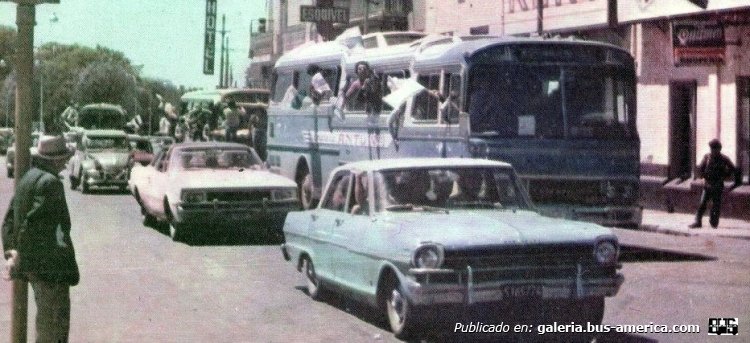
<point x="106" y="191"/>
<point x="442" y="328"/>
<point x="630" y="253"/>
<point x="209" y="236"/>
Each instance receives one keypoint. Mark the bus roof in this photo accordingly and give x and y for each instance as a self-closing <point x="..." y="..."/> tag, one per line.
<point x="103" y="106"/>
<point x="215" y="95"/>
<point x="418" y="162"/>
<point x="458" y="49"/>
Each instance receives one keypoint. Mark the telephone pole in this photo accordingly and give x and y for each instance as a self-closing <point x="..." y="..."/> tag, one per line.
<point x="221" y="60"/>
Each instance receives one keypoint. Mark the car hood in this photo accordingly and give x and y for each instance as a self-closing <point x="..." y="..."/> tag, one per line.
<point x="231" y="178"/>
<point x="464" y="228"/>
<point x="110" y="158"/>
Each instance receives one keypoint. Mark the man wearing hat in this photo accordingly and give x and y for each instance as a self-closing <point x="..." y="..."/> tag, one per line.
<point x="714" y="168"/>
<point x="41" y="250"/>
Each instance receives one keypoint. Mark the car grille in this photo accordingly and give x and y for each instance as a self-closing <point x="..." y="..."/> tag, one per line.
<point x="577" y="192"/>
<point x="239" y="196"/>
<point x="495" y="264"/>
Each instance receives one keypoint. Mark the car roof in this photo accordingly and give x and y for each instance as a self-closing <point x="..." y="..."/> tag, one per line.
<point x="198" y="145"/>
<point x="402" y="163"/>
<point x="105" y="133"/>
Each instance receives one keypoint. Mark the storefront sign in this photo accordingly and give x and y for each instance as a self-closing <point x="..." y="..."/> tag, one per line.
<point x="638" y="10"/>
<point x="209" y="38"/>
<point x="324" y="14"/>
<point x="520" y="16"/>
<point x="698" y="42"/>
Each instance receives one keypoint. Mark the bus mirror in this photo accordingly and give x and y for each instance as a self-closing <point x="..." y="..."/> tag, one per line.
<point x="463" y="123"/>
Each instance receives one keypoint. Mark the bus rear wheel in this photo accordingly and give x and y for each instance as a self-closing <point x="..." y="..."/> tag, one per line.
<point x="305" y="188"/>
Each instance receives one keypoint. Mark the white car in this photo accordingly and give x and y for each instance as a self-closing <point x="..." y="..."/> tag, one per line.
<point x="201" y="187"/>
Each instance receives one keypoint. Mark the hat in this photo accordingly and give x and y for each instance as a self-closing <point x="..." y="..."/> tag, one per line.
<point x="53" y="148"/>
<point x="715" y="144"/>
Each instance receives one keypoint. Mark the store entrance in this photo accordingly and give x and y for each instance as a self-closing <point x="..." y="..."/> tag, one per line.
<point x="681" y="129"/>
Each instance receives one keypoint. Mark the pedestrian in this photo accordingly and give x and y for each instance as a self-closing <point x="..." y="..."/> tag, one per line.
<point x="232" y="117"/>
<point x="714" y="168"/>
<point x="41" y="250"/>
<point x="164" y="126"/>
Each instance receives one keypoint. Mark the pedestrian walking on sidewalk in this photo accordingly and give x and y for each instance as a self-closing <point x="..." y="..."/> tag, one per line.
<point x="714" y="168"/>
<point x="41" y="250"/>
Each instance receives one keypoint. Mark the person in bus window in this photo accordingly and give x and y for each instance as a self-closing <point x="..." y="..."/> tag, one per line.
<point x="366" y="89"/>
<point x="232" y="117"/>
<point x="319" y="87"/>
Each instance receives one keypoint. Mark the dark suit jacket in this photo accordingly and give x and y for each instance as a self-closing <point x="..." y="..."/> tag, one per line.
<point x="43" y="240"/>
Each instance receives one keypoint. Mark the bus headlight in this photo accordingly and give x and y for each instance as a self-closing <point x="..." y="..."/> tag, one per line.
<point x="606" y="252"/>
<point x="428" y="256"/>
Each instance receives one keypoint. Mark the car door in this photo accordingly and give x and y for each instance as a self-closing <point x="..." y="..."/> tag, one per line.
<point x="149" y="194"/>
<point x="323" y="222"/>
<point x="349" y="234"/>
<point x="158" y="181"/>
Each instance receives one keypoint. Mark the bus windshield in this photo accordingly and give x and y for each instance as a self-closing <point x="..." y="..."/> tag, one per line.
<point x="542" y="101"/>
<point x="91" y="119"/>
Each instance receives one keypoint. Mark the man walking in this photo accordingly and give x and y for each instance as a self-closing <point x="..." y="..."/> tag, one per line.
<point x="232" y="117"/>
<point x="714" y="168"/>
<point x="41" y="250"/>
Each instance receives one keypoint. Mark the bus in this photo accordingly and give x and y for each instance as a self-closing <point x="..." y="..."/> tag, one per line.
<point x="561" y="111"/>
<point x="254" y="101"/>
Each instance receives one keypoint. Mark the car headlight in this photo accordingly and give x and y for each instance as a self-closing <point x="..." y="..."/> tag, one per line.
<point x="193" y="196"/>
<point x="284" y="194"/>
<point x="428" y="256"/>
<point x="606" y="252"/>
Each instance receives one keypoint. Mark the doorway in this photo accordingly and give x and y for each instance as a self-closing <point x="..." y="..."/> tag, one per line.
<point x="743" y="127"/>
<point x="681" y="129"/>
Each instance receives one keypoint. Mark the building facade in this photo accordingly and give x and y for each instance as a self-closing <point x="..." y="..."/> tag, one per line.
<point x="693" y="69"/>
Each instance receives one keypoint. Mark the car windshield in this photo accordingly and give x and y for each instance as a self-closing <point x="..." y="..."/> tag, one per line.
<point x="448" y="188"/>
<point x="92" y="119"/>
<point x="107" y="143"/>
<point x="215" y="158"/>
<point x="541" y="101"/>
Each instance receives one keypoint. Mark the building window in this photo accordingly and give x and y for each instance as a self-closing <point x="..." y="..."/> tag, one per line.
<point x="480" y="30"/>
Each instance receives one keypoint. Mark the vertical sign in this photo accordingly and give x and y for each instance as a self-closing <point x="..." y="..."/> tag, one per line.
<point x="209" y="40"/>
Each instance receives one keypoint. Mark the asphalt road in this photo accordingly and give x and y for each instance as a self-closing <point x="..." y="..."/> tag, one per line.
<point x="139" y="286"/>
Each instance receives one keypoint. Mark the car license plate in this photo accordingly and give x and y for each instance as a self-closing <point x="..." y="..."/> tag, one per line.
<point x="522" y="291"/>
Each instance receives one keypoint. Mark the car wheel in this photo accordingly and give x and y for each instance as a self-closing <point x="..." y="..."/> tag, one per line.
<point x="178" y="232"/>
<point x="314" y="289"/>
<point x="589" y="310"/>
<point x="73" y="182"/>
<point x="401" y="314"/>
<point x="306" y="192"/>
<point x="85" y="189"/>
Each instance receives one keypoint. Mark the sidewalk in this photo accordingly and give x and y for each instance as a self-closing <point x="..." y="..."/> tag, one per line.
<point x="677" y="224"/>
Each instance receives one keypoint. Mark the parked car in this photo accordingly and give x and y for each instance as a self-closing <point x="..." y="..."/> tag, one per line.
<point x="10" y="156"/>
<point x="197" y="187"/>
<point x="410" y="235"/>
<point x="100" y="160"/>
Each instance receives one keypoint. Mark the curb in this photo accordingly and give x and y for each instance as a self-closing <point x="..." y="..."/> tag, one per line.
<point x="675" y="232"/>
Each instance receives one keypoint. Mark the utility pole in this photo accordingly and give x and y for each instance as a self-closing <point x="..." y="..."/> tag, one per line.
<point x="366" y="18"/>
<point x="225" y="57"/>
<point x="540" y="17"/>
<point x="221" y="60"/>
<point x="24" y="64"/>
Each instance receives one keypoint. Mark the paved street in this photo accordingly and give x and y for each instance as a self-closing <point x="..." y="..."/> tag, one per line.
<point x="139" y="286"/>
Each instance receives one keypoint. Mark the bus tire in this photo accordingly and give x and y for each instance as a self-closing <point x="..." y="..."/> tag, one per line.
<point x="305" y="186"/>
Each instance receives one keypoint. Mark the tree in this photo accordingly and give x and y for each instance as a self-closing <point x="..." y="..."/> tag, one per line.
<point x="7" y="50"/>
<point x="108" y="82"/>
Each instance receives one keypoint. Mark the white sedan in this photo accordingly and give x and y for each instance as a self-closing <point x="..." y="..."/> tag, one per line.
<point x="201" y="187"/>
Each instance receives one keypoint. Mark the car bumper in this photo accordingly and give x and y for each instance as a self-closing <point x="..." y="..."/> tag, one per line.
<point x="97" y="178"/>
<point x="468" y="292"/>
<point x="606" y="215"/>
<point x="233" y="214"/>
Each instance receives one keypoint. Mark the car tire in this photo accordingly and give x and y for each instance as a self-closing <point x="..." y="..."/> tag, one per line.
<point x="73" y="182"/>
<point x="85" y="189"/>
<point x="401" y="314"/>
<point x="314" y="286"/>
<point x="589" y="310"/>
<point x="178" y="232"/>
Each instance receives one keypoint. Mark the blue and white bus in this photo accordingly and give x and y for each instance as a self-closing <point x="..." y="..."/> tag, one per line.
<point x="561" y="111"/>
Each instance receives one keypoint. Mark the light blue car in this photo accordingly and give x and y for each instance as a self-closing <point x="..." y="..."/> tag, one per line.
<point x="410" y="235"/>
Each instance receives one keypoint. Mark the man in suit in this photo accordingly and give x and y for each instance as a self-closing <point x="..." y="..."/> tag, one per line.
<point x="714" y="168"/>
<point x="36" y="239"/>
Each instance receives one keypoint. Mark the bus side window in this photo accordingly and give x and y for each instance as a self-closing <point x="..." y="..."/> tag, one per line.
<point x="452" y="92"/>
<point x="282" y="83"/>
<point x="384" y="85"/>
<point x="426" y="106"/>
